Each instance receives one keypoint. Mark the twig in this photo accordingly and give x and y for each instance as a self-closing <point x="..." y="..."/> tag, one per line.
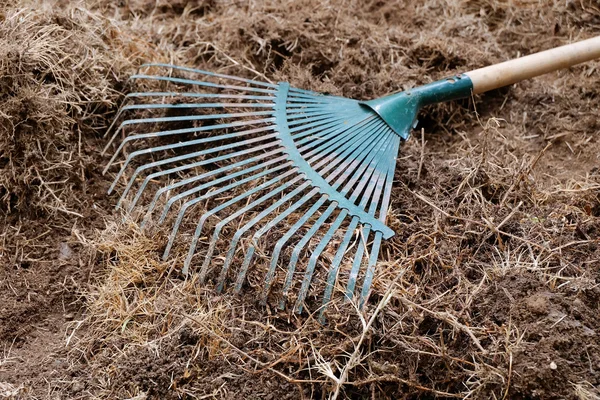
<point x="394" y="378"/>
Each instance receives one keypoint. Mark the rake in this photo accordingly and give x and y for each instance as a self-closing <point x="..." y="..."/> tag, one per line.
<point x="299" y="179"/>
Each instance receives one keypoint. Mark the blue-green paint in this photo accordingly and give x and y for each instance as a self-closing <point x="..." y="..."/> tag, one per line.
<point x="400" y="110"/>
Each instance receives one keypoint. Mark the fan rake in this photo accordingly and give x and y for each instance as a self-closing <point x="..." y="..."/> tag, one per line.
<point x="277" y="173"/>
<point x="319" y="166"/>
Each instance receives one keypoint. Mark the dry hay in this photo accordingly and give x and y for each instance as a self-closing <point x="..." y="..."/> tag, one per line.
<point x="489" y="290"/>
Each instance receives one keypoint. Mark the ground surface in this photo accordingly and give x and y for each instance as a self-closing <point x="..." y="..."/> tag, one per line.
<point x="492" y="282"/>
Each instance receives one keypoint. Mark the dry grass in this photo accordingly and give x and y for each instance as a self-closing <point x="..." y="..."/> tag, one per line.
<point x="490" y="283"/>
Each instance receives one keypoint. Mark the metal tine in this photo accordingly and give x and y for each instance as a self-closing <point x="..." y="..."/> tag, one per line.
<point x="382" y="217"/>
<point x="306" y="92"/>
<point x="201" y="83"/>
<point x="297" y="116"/>
<point x="195" y="178"/>
<point x="178" y="158"/>
<point x="298" y="248"/>
<point x="353" y="223"/>
<point x="210" y="194"/>
<point x="130" y="96"/>
<point x="199" y="95"/>
<point x="280" y="218"/>
<point x="363" y="152"/>
<point x="208" y="174"/>
<point x="188" y="118"/>
<point x="258" y="234"/>
<point x="312" y="262"/>
<point x="154" y="106"/>
<point x="318" y="149"/>
<point x="133" y="121"/>
<point x="301" y="137"/>
<point x="283" y="240"/>
<point x="317" y="122"/>
<point x="357" y="165"/>
<point x="199" y="188"/>
<point x="297" y="101"/>
<point x="335" y="265"/>
<point x="307" y="110"/>
<point x="194" y="117"/>
<point x="332" y="126"/>
<point x="240" y="232"/>
<point x="317" y="119"/>
<point x="192" y="130"/>
<point x="311" y="122"/>
<point x="291" y="231"/>
<point x="349" y="232"/>
<point x="375" y="184"/>
<point x="208" y="73"/>
<point x="305" y="107"/>
<point x="220" y="225"/>
<point x="239" y="133"/>
<point x="185" y="130"/>
<point x="326" y="147"/>
<point x="371" y="157"/>
<point x="181" y="157"/>
<point x="214" y="210"/>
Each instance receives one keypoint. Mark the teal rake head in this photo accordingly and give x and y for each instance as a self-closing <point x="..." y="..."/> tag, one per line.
<point x="261" y="158"/>
<point x="245" y="169"/>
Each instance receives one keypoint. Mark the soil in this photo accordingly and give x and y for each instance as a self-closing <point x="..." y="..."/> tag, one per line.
<point x="88" y="309"/>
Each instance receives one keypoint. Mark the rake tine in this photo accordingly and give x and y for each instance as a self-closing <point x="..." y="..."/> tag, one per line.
<point x="335" y="226"/>
<point x="283" y="240"/>
<point x="194" y="82"/>
<point x="377" y="240"/>
<point x="312" y="262"/>
<point x="185" y="130"/>
<point x="332" y="151"/>
<point x="208" y="195"/>
<point x="298" y="248"/>
<point x="193" y="130"/>
<point x="236" y="199"/>
<point x="184" y="182"/>
<point x="360" y="151"/>
<point x="240" y="232"/>
<point x="205" y="175"/>
<point x="375" y="185"/>
<point x="130" y="96"/>
<point x="323" y="131"/>
<point x="232" y="185"/>
<point x="335" y="266"/>
<point x="328" y="152"/>
<point x="251" y="249"/>
<point x="354" y="222"/>
<point x="196" y="95"/>
<point x="139" y="121"/>
<point x="140" y="169"/>
<point x="220" y="225"/>
<point x="370" y="270"/>
<point x="183" y="118"/>
<point x="208" y="73"/>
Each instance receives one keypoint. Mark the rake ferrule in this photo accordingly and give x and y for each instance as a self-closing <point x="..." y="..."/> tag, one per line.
<point x="400" y="110"/>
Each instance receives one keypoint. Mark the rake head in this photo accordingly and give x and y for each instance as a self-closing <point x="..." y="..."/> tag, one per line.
<point x="243" y="169"/>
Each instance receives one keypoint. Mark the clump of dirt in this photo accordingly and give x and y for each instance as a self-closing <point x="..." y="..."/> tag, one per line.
<point x="489" y="289"/>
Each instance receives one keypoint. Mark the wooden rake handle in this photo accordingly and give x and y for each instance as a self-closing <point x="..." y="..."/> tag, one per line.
<point x="509" y="72"/>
